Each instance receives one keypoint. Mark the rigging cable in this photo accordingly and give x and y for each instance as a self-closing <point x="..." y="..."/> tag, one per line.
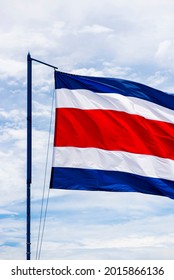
<point x="40" y="234"/>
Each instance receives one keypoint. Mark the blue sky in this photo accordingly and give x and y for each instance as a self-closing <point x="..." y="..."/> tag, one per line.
<point x="128" y="39"/>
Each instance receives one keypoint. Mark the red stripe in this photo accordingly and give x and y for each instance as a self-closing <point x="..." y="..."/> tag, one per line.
<point x="112" y="130"/>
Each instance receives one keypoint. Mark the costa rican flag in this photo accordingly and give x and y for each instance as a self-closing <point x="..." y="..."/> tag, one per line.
<point x="112" y="135"/>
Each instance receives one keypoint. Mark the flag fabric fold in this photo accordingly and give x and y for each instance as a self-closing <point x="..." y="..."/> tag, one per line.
<point x="112" y="135"/>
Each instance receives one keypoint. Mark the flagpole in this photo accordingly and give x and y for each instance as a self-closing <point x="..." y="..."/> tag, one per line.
<point x="29" y="150"/>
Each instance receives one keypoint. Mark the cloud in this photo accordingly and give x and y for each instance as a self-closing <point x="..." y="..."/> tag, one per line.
<point x="130" y="239"/>
<point x="95" y="29"/>
<point x="11" y="67"/>
<point x="163" y="48"/>
<point x="13" y="115"/>
<point x="164" y="54"/>
<point x="121" y="33"/>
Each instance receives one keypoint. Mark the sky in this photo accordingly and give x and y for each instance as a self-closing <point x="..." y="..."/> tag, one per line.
<point x="129" y="39"/>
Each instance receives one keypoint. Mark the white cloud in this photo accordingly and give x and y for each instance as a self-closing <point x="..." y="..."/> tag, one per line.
<point x="157" y="79"/>
<point x="95" y="29"/>
<point x="164" y="54"/>
<point x="122" y="34"/>
<point x="7" y="212"/>
<point x="11" y="67"/>
<point x="163" y="48"/>
<point x="13" y="115"/>
<point x="132" y="237"/>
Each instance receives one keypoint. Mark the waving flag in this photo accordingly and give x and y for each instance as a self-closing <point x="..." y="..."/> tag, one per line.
<point x="112" y="135"/>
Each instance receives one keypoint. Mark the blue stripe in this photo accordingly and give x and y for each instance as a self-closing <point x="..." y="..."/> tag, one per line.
<point x="112" y="181"/>
<point x="112" y="85"/>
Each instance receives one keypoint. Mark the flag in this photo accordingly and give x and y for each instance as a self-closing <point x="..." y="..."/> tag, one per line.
<point x="112" y="135"/>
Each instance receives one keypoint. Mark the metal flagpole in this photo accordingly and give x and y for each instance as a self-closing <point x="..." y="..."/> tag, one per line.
<point x="29" y="149"/>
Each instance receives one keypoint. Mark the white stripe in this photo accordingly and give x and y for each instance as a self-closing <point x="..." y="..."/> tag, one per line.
<point x="91" y="158"/>
<point x="85" y="99"/>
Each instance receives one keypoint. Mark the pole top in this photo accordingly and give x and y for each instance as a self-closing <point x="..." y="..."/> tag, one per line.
<point x="28" y="56"/>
